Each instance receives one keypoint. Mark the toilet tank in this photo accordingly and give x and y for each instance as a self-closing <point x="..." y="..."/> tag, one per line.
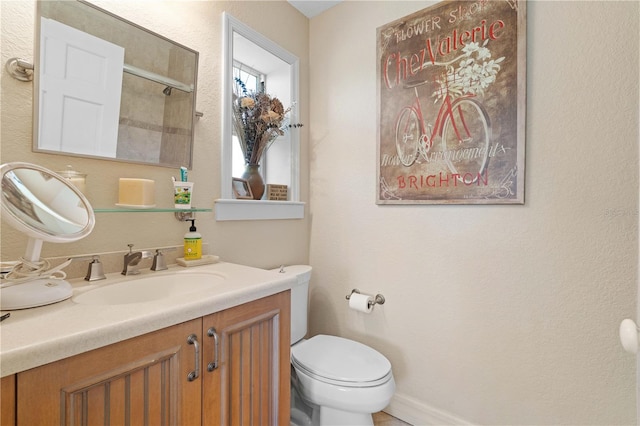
<point x="299" y="299"/>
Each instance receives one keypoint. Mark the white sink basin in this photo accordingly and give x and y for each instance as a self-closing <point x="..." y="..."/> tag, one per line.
<point x="150" y="288"/>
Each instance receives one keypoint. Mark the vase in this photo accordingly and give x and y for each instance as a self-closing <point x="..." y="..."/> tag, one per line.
<point x="252" y="175"/>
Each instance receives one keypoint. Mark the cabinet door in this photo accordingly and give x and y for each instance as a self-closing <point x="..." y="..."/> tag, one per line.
<point x="138" y="381"/>
<point x="8" y="401"/>
<point x="250" y="384"/>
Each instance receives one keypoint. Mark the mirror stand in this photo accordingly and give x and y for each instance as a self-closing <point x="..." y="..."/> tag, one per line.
<point x="34" y="247"/>
<point x="32" y="294"/>
<point x="20" y="69"/>
<point x="30" y="289"/>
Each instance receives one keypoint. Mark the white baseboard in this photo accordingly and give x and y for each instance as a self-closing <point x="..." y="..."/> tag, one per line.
<point x="417" y="413"/>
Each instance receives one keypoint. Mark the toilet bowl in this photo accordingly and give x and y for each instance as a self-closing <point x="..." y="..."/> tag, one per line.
<point x="344" y="381"/>
<point x="335" y="381"/>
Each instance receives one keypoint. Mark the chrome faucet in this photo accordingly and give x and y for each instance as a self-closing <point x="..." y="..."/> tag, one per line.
<point x="132" y="259"/>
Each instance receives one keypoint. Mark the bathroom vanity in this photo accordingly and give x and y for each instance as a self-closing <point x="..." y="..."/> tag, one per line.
<point x="216" y="355"/>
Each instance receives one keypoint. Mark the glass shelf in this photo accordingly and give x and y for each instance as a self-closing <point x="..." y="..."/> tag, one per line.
<point x="151" y="210"/>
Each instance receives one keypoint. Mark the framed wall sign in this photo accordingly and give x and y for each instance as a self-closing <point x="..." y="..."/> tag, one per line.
<point x="451" y="83"/>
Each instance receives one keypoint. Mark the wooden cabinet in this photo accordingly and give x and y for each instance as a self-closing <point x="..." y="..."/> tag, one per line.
<point x="231" y="367"/>
<point x="251" y="375"/>
<point x="137" y="381"/>
<point x="8" y="401"/>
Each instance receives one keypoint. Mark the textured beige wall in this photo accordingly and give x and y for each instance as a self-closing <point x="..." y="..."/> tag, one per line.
<point x="494" y="314"/>
<point x="197" y="24"/>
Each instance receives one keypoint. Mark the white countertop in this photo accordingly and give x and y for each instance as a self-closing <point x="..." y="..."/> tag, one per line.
<point x="34" y="337"/>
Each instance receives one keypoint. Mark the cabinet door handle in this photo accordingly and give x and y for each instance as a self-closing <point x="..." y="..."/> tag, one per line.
<point x="213" y="365"/>
<point x="193" y="340"/>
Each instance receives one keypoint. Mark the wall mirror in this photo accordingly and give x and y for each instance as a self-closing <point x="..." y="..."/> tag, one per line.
<point x="250" y="55"/>
<point x="108" y="88"/>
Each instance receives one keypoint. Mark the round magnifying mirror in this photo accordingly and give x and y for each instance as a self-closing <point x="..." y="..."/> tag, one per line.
<point x="46" y="207"/>
<point x="43" y="204"/>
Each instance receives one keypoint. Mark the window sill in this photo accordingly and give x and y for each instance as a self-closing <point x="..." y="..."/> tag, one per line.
<point x="258" y="210"/>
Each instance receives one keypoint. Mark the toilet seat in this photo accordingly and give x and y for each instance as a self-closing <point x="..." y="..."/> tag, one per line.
<point x="341" y="362"/>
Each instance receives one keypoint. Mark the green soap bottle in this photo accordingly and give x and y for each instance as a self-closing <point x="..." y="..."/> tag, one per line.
<point x="192" y="243"/>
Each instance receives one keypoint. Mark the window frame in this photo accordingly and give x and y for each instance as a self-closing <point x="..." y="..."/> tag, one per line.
<point x="228" y="208"/>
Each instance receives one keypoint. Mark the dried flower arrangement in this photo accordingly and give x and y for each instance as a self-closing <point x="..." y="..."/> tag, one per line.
<point x="258" y="120"/>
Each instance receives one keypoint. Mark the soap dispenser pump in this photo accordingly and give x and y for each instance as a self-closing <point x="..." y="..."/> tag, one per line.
<point x="192" y="243"/>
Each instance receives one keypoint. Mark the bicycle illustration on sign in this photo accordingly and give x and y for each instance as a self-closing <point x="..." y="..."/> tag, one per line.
<point x="462" y="125"/>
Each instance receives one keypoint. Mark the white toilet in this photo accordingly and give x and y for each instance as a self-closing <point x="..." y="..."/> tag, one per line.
<point x="334" y="381"/>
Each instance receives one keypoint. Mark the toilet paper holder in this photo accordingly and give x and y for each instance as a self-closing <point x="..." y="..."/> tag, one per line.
<point x="378" y="300"/>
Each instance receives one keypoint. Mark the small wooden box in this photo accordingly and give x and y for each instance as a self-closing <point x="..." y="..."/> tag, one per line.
<point x="277" y="192"/>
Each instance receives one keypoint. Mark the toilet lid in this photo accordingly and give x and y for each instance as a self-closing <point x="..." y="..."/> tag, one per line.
<point x="338" y="359"/>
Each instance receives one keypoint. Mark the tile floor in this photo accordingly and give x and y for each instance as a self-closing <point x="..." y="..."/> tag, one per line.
<point x="384" y="419"/>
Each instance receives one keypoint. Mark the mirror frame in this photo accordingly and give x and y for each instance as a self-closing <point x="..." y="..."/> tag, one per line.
<point x="36" y="89"/>
<point x="230" y="26"/>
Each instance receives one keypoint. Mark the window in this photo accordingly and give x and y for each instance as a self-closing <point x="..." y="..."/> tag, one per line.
<point x="267" y="62"/>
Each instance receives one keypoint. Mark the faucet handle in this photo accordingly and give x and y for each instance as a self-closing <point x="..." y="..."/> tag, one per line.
<point x="159" y="262"/>
<point x="95" y="271"/>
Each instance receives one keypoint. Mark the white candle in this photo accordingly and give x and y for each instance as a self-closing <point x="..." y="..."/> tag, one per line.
<point x="137" y="192"/>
